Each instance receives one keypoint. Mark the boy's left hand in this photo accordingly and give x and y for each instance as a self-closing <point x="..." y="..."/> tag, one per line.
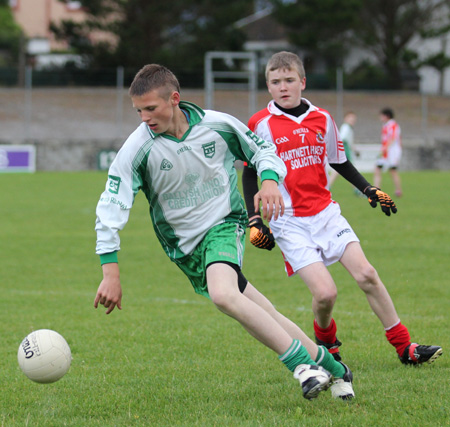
<point x="374" y="195"/>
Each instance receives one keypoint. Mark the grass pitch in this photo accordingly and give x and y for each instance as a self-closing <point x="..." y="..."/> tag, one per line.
<point x="170" y="358"/>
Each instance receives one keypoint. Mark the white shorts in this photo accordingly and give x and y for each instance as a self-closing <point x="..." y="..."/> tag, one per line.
<point x="319" y="238"/>
<point x="393" y="158"/>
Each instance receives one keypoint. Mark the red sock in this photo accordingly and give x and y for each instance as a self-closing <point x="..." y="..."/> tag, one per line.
<point x="399" y="337"/>
<point x="328" y="334"/>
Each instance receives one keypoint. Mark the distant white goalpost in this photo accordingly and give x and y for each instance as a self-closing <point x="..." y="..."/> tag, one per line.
<point x="245" y="79"/>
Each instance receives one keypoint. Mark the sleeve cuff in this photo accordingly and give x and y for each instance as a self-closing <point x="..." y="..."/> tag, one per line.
<point x="268" y="174"/>
<point x="109" y="258"/>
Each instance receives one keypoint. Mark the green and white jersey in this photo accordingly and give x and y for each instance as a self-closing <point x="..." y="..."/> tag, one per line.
<point x="190" y="184"/>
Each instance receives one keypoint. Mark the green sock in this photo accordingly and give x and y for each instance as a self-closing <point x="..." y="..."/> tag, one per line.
<point x="296" y="355"/>
<point x="326" y="360"/>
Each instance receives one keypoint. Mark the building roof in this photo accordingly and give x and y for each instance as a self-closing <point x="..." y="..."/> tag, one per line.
<point x="263" y="31"/>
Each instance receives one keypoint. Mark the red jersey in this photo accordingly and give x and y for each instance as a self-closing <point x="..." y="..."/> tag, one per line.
<point x="390" y="137"/>
<point x="305" y="144"/>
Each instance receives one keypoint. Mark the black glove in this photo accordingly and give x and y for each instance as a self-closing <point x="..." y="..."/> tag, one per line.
<point x="375" y="195"/>
<point x="260" y="235"/>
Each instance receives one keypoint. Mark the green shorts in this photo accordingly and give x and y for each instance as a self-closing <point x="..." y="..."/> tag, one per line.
<point x="224" y="242"/>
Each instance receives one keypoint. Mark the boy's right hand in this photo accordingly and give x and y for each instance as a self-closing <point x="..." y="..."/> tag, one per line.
<point x="109" y="293"/>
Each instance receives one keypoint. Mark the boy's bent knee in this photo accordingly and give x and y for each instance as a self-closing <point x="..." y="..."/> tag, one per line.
<point x="367" y="276"/>
<point x="224" y="298"/>
<point x="326" y="299"/>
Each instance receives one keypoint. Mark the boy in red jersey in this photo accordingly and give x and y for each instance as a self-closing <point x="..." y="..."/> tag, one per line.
<point x="312" y="233"/>
<point x="391" y="150"/>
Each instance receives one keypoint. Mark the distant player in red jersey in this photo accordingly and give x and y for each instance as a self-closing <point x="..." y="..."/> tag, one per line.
<point x="312" y="233"/>
<point x="391" y="150"/>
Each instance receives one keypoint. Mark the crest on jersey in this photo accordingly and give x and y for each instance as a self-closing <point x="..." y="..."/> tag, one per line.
<point x="166" y="165"/>
<point x="209" y="149"/>
<point x="320" y="137"/>
<point x="191" y="179"/>
<point x="113" y="184"/>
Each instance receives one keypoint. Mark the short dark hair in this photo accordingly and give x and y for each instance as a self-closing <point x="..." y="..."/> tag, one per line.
<point x="387" y="112"/>
<point x="151" y="77"/>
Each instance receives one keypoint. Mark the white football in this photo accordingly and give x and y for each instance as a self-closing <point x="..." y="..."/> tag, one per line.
<point x="44" y="356"/>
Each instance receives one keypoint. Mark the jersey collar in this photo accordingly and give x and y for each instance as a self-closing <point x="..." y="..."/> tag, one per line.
<point x="194" y="112"/>
<point x="273" y="109"/>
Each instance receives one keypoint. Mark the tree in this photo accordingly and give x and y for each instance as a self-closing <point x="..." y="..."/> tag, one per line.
<point x="10" y="35"/>
<point x="323" y="27"/>
<point x="386" y="27"/>
<point x="176" y="33"/>
<point x="439" y="61"/>
<point x="383" y="27"/>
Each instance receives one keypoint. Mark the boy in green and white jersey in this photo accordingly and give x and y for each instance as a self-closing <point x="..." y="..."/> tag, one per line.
<point x="182" y="158"/>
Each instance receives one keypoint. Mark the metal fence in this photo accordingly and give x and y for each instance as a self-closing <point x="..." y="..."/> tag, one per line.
<point x="104" y="111"/>
<point x="72" y="115"/>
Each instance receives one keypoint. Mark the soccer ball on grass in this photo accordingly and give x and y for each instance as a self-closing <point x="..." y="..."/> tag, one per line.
<point x="44" y="356"/>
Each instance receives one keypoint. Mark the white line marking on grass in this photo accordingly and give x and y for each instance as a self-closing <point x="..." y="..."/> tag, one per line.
<point x="65" y="292"/>
<point x="304" y="309"/>
<point x="282" y="309"/>
<point x="178" y="301"/>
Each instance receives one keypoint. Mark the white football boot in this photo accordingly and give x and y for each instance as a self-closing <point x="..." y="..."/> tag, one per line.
<point x="313" y="379"/>
<point x="342" y="388"/>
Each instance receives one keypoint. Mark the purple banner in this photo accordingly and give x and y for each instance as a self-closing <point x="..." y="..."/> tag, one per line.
<point x="17" y="158"/>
